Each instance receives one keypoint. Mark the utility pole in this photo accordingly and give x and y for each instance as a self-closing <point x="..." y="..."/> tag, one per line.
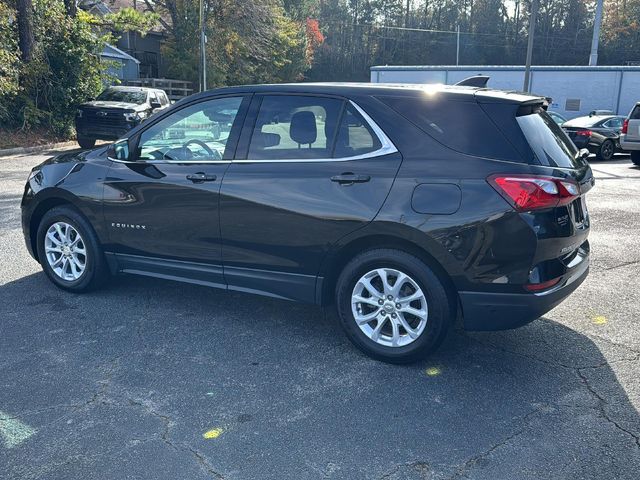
<point x="593" y="58"/>
<point x="532" y="31"/>
<point x="457" y="44"/>
<point x="203" y="54"/>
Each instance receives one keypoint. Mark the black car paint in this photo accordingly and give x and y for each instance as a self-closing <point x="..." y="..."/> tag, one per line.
<point x="599" y="133"/>
<point x="285" y="230"/>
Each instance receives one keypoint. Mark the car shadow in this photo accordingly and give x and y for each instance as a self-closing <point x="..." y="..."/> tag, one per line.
<point x="147" y="366"/>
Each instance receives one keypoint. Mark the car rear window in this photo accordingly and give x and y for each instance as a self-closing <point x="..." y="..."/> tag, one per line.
<point x="462" y="126"/>
<point x="635" y="113"/>
<point x="548" y="141"/>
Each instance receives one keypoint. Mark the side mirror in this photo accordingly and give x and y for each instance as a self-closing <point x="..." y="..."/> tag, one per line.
<point x="119" y="150"/>
<point x="155" y="104"/>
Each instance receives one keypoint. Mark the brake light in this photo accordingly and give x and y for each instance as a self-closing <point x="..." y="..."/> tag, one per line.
<point x="584" y="133"/>
<point x="532" y="192"/>
<point x="625" y="126"/>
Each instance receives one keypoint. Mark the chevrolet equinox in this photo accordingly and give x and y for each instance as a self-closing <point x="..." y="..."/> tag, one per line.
<point x="402" y="205"/>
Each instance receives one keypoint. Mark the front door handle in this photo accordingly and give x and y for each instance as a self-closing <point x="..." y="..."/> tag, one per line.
<point x="350" y="178"/>
<point x="201" y="177"/>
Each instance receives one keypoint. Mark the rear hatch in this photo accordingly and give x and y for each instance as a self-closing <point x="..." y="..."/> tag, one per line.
<point x="559" y="214"/>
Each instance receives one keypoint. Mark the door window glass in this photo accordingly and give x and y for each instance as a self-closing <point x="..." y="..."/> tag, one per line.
<point x="355" y="136"/>
<point x="196" y="133"/>
<point x="292" y="127"/>
<point x="614" y="123"/>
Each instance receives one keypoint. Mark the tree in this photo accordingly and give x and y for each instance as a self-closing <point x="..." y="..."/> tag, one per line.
<point x="24" y="13"/>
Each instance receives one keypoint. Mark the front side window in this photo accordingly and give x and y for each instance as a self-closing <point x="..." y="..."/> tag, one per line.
<point x="295" y="127"/>
<point x="195" y="133"/>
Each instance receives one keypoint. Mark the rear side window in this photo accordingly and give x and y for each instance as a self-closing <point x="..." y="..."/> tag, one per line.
<point x="635" y="113"/>
<point x="548" y="141"/>
<point x="461" y="126"/>
<point x="355" y="136"/>
<point x="293" y="127"/>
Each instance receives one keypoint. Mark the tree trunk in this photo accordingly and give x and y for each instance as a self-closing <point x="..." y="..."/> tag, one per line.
<point x="25" y="28"/>
<point x="71" y="7"/>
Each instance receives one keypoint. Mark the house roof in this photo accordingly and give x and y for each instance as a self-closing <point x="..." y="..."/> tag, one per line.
<point x="113" y="52"/>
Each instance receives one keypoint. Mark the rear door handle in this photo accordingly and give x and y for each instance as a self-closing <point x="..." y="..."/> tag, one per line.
<point x="350" y="178"/>
<point x="201" y="177"/>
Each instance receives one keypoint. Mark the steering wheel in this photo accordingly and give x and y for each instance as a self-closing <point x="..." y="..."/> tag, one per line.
<point x="212" y="153"/>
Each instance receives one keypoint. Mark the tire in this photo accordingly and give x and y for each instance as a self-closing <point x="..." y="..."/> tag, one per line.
<point x="635" y="157"/>
<point x="606" y="150"/>
<point x="86" y="142"/>
<point x="95" y="270"/>
<point x="427" y="336"/>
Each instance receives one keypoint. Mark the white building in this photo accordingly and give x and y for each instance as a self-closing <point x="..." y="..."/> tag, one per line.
<point x="575" y="90"/>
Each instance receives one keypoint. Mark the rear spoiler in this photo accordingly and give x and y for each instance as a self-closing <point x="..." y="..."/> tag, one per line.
<point x="479" y="81"/>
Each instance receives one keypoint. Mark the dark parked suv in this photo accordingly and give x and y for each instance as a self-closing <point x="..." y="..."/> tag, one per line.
<point x="116" y="111"/>
<point x="400" y="205"/>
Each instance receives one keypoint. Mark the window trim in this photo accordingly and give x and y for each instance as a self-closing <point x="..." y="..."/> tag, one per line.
<point x="134" y="140"/>
<point x="387" y="147"/>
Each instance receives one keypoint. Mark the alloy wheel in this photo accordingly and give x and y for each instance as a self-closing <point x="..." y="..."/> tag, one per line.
<point x="65" y="251"/>
<point x="389" y="307"/>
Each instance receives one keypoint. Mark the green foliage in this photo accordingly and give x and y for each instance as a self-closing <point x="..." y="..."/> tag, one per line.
<point x="66" y="68"/>
<point x="248" y="41"/>
<point x="129" y="19"/>
<point x="9" y="59"/>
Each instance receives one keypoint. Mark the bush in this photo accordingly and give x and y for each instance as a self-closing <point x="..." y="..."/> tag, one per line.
<point x="64" y="72"/>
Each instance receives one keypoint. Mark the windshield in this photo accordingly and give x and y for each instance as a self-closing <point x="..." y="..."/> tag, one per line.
<point x="548" y="141"/>
<point x="126" y="96"/>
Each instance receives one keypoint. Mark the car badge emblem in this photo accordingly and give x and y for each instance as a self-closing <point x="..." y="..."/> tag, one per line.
<point x="102" y="114"/>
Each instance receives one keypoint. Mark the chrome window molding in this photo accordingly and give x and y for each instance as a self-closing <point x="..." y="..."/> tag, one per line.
<point x="387" y="147"/>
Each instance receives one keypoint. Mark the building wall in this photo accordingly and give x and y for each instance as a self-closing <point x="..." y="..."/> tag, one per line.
<point x="609" y="88"/>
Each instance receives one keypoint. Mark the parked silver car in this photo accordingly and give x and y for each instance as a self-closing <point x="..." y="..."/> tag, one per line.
<point x="630" y="135"/>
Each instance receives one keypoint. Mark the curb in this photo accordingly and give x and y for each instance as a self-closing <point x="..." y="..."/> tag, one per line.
<point x="39" y="148"/>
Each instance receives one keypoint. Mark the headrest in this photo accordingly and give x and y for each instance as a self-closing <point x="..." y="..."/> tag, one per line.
<point x="303" y="129"/>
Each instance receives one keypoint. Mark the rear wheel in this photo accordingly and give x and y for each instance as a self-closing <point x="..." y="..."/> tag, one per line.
<point x="86" y="142"/>
<point x="392" y="306"/>
<point x="69" y="251"/>
<point x="606" y="151"/>
<point x="635" y="157"/>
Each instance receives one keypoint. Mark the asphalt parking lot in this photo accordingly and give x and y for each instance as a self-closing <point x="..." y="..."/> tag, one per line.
<point x="150" y="379"/>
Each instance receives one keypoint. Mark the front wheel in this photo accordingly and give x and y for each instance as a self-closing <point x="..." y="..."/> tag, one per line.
<point x="393" y="306"/>
<point x="69" y="251"/>
<point x="606" y="151"/>
<point x="86" y="142"/>
<point x="635" y="157"/>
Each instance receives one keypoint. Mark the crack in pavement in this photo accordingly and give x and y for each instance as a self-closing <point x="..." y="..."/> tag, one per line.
<point x="463" y="469"/>
<point x="422" y="468"/>
<point x="601" y="407"/>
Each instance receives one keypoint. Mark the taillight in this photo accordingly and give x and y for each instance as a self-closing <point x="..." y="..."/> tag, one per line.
<point x="538" y="287"/>
<point x="625" y="126"/>
<point x="532" y="192"/>
<point x="584" y="133"/>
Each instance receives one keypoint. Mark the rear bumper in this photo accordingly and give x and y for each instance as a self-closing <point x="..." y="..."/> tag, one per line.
<point x="629" y="145"/>
<point x="502" y="311"/>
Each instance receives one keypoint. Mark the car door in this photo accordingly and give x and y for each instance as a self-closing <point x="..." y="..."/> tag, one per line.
<point x="309" y="170"/>
<point x="161" y="209"/>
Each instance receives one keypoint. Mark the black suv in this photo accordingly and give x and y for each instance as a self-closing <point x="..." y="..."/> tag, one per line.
<point x="400" y="205"/>
<point x="116" y="111"/>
